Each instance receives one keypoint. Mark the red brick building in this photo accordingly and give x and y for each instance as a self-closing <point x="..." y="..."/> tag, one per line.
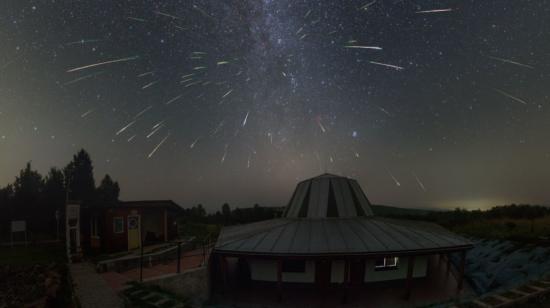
<point x="130" y="224"/>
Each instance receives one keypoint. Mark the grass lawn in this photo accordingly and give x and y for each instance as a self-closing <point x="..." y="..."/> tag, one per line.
<point x="30" y="255"/>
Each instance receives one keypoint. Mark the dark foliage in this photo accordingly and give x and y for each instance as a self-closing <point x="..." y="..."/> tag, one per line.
<point x="228" y="216"/>
<point x="461" y="216"/>
<point x="36" y="199"/>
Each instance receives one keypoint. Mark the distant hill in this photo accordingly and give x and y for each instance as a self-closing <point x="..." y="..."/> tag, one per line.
<point x="386" y="210"/>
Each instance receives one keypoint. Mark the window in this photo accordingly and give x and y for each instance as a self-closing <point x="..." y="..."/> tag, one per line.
<point x="118" y="225"/>
<point x="386" y="263"/>
<point x="93" y="227"/>
<point x="294" y="266"/>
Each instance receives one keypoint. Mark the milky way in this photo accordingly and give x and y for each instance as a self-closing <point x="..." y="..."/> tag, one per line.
<point x="427" y="103"/>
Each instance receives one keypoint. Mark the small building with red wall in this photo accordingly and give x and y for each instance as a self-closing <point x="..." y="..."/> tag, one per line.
<point x="130" y="224"/>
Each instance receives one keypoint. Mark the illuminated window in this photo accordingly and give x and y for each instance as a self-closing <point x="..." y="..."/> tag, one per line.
<point x="118" y="225"/>
<point x="386" y="263"/>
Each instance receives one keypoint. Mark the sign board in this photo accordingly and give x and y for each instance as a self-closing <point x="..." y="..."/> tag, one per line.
<point x="18" y="226"/>
<point x="73" y="211"/>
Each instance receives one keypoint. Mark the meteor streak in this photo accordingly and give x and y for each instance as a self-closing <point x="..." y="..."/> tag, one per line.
<point x="245" y="118"/>
<point x="228" y="92"/>
<point x="86" y="113"/>
<point x="192" y="145"/>
<point x="173" y="99"/>
<point x="366" y="6"/>
<point x="102" y="63"/>
<point x="394" y="179"/>
<point x="434" y="11"/>
<point x="167" y="15"/>
<point x="363" y="47"/>
<point x="142" y="112"/>
<point x="136" y="19"/>
<point x="419" y="182"/>
<point x="510" y="62"/>
<point x="224" y="154"/>
<point x="158" y="146"/>
<point x="82" y="78"/>
<point x="519" y="100"/>
<point x="395" y="67"/>
<point x="125" y="127"/>
<point x="148" y="85"/>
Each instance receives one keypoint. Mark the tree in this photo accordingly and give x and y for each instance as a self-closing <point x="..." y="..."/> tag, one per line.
<point x="54" y="194"/>
<point x="107" y="192"/>
<point x="27" y="189"/>
<point x="6" y="202"/>
<point x="79" y="177"/>
<point x="226" y="210"/>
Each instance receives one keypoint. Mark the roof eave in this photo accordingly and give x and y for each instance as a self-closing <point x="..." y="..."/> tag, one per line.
<point x="428" y="251"/>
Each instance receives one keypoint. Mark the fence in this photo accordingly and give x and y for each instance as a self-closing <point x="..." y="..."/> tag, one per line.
<point x="181" y="258"/>
<point x="155" y="261"/>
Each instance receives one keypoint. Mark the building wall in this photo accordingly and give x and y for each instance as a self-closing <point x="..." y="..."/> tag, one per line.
<point x="153" y="224"/>
<point x="266" y="270"/>
<point x="420" y="270"/>
<point x="337" y="270"/>
<point x="111" y="241"/>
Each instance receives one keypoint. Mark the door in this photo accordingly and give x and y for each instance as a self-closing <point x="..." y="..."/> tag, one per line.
<point x="134" y="232"/>
<point x="322" y="273"/>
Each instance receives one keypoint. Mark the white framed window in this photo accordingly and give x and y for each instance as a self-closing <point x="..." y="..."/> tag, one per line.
<point x="118" y="224"/>
<point x="386" y="263"/>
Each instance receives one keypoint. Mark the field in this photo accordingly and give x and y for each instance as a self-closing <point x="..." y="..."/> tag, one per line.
<point x="31" y="255"/>
<point x="507" y="229"/>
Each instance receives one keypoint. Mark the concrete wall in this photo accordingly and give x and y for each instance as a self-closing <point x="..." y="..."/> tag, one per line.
<point x="192" y="284"/>
<point x="420" y="269"/>
<point x="266" y="270"/>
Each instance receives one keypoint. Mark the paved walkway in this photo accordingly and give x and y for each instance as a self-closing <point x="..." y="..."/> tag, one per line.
<point x="117" y="281"/>
<point x="91" y="289"/>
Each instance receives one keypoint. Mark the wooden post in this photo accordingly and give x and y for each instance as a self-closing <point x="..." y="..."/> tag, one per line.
<point x="462" y="267"/>
<point x="448" y="256"/>
<point x="347" y="280"/>
<point x="223" y="269"/>
<point x="280" y="279"/>
<point x="141" y="264"/>
<point x="410" y="270"/>
<point x="178" y="269"/>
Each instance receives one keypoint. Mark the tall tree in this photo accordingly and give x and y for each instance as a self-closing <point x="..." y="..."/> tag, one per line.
<point x="27" y="190"/>
<point x="107" y="192"/>
<point x="79" y="177"/>
<point x="54" y="194"/>
<point x="6" y="202"/>
<point x="226" y="210"/>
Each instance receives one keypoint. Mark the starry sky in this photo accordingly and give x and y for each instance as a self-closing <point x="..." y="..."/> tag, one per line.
<point x="433" y="104"/>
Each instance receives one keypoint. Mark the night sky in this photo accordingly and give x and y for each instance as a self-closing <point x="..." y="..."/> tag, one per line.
<point x="426" y="103"/>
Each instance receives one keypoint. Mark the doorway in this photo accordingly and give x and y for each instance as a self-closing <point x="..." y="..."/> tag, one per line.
<point x="134" y="232"/>
<point x="357" y="271"/>
<point x="322" y="273"/>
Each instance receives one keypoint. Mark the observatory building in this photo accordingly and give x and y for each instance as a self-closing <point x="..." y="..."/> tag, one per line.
<point x="328" y="237"/>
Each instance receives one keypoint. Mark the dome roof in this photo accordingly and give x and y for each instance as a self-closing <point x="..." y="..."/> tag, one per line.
<point x="328" y="195"/>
